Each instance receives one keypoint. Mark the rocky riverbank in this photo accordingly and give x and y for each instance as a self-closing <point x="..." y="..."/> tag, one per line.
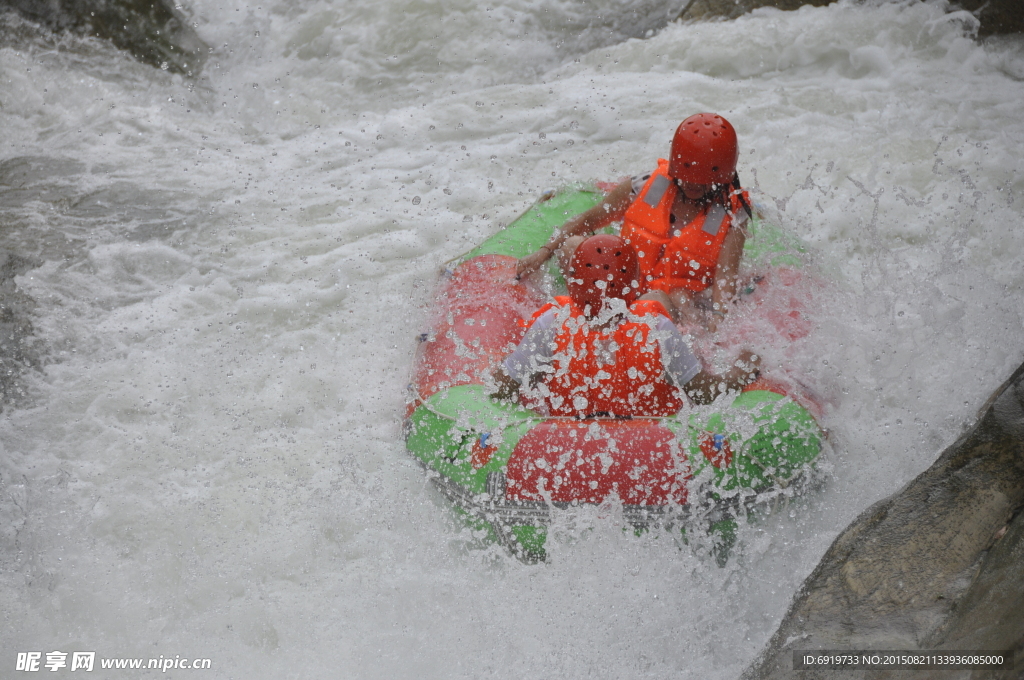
<point x="152" y="31"/>
<point x="995" y="17"/>
<point x="937" y="566"/>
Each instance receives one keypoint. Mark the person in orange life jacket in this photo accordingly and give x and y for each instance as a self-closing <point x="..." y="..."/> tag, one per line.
<point x="602" y="352"/>
<point x="686" y="220"/>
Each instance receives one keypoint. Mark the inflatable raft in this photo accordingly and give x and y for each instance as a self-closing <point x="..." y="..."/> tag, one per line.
<point x="509" y="468"/>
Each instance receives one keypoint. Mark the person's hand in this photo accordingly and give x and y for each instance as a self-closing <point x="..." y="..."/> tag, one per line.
<point x="505" y="388"/>
<point x="532" y="263"/>
<point x="714" y="318"/>
<point x="748" y="365"/>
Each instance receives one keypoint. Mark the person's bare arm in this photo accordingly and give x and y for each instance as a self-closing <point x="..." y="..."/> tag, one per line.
<point x="611" y="209"/>
<point x="704" y="387"/>
<point x="507" y="388"/>
<point x="726" y="275"/>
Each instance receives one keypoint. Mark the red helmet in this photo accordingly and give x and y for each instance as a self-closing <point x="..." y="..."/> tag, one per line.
<point x="704" y="150"/>
<point x="603" y="259"/>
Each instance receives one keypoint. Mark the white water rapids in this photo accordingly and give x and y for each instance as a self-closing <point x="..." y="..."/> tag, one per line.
<point x="229" y="274"/>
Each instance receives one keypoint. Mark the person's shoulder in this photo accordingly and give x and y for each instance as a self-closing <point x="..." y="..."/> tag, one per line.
<point x="637" y="183"/>
<point x="648" y="308"/>
<point x="550" y="309"/>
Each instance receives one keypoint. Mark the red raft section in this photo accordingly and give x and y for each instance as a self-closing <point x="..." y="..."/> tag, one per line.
<point x="636" y="461"/>
<point x="476" y="324"/>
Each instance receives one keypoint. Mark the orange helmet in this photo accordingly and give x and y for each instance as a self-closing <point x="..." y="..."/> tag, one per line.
<point x="704" y="150"/>
<point x="603" y="266"/>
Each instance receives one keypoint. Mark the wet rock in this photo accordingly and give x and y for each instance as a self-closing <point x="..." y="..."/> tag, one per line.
<point x="997" y="17"/>
<point x="730" y="9"/>
<point x="937" y="566"/>
<point x="989" y="614"/>
<point x="153" y="31"/>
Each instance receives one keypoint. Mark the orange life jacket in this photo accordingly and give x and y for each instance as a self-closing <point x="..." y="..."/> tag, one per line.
<point x="615" y="372"/>
<point x="685" y="257"/>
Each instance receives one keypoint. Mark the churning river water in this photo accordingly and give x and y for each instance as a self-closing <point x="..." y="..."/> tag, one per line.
<point x="225" y="277"/>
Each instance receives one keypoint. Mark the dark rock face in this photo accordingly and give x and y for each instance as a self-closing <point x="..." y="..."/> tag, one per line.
<point x="730" y="9"/>
<point x="997" y="17"/>
<point x="937" y="566"/>
<point x="151" y="30"/>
